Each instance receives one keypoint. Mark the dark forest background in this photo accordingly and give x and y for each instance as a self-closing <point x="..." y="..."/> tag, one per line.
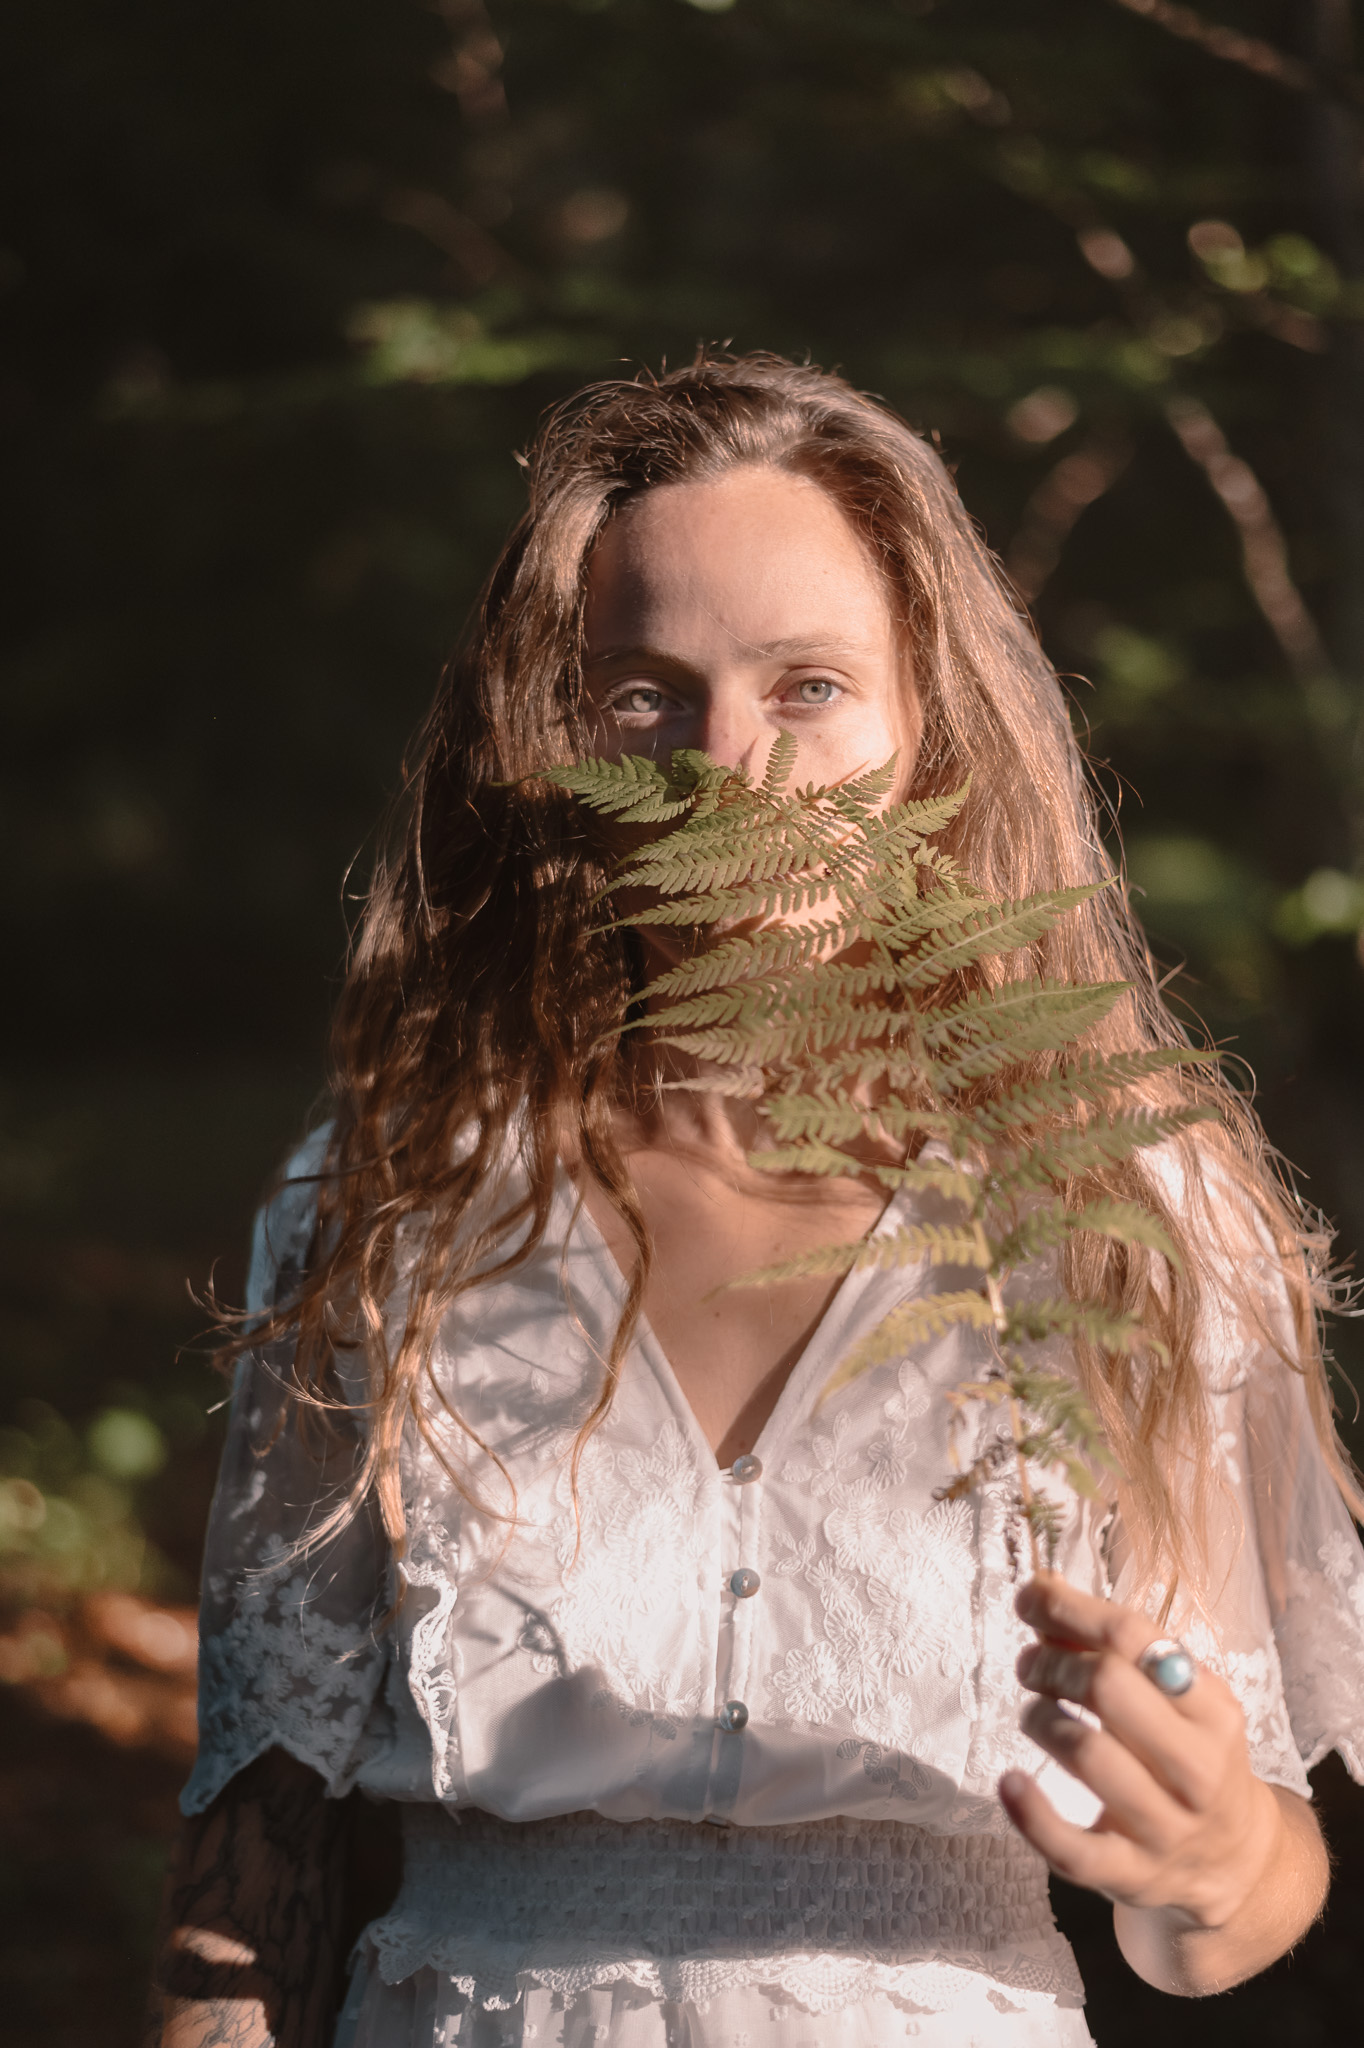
<point x="284" y="285"/>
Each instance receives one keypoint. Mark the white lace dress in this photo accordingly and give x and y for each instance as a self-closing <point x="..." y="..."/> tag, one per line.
<point x="710" y="1762"/>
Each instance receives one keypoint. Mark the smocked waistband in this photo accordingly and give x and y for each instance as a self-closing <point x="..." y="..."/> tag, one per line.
<point x="676" y="1888"/>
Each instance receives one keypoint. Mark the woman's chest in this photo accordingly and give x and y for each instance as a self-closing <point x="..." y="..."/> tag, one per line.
<point x="630" y="1626"/>
<point x="730" y="1340"/>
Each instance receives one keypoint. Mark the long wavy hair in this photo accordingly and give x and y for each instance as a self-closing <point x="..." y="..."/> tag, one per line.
<point x="478" y="1020"/>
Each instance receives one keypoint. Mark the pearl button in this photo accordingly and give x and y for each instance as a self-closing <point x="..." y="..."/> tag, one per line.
<point x="746" y="1469"/>
<point x="733" y="1716"/>
<point x="744" y="1584"/>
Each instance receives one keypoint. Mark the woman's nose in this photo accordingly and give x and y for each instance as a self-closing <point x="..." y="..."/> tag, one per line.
<point x="731" y="734"/>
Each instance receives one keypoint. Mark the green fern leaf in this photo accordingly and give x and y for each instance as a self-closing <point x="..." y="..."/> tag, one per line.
<point x="931" y="1316"/>
<point x="776" y="899"/>
<point x="775" y="950"/>
<point x="860" y="798"/>
<point x="1056" y="1156"/>
<point x="946" y="1182"/>
<point x="636" y="789"/>
<point x="778" y="1040"/>
<point x="938" y="1244"/>
<point x="832" y="1116"/>
<point x="811" y="1157"/>
<point x="1000" y="928"/>
<point x="1053" y="1224"/>
<point x="836" y="1003"/>
<point x="1050" y="1031"/>
<point x="1088" y="1081"/>
<point x="1064" y="1412"/>
<point x="924" y="816"/>
<point x="741" y="859"/>
<point x="781" y="761"/>
<point x="841" y="993"/>
<point x="989" y="1014"/>
<point x="1034" y="1321"/>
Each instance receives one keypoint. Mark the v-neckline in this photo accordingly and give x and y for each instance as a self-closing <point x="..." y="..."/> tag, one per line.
<point x="645" y="1339"/>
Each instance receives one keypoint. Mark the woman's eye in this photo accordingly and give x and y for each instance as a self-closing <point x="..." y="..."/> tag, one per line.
<point x="640" y="698"/>
<point x="816" y="690"/>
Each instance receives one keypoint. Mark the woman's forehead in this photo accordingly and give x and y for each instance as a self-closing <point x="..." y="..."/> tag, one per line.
<point x="756" y="554"/>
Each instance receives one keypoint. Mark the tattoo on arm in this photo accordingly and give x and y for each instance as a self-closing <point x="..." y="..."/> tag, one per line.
<point x="249" y="1955"/>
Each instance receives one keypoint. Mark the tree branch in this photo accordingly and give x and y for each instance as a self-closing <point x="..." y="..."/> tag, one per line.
<point x="1252" y="53"/>
<point x="1264" y="551"/>
<point x="1054" y="508"/>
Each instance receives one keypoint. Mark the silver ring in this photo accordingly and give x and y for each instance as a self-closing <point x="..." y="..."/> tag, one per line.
<point x="1168" y="1665"/>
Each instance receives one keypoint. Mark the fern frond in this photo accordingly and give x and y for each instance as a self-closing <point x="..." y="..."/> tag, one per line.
<point x="739" y="1084"/>
<point x="1058" y="1155"/>
<point x="916" y="916"/>
<point x="930" y="1177"/>
<point x="890" y="1065"/>
<point x="836" y="1000"/>
<point x="776" y="1040"/>
<point x="941" y="1179"/>
<point x="1023" y="1004"/>
<point x="923" y="816"/>
<point x="1050" y="1031"/>
<point x="999" y="928"/>
<point x="1088" y="1081"/>
<point x="1060" y="1405"/>
<point x="774" y="950"/>
<point x="1053" y="1224"/>
<point x="940" y="1244"/>
<point x="835" y="993"/>
<point x="1092" y="1076"/>
<point x="1045" y="1522"/>
<point x="741" y="858"/>
<point x="832" y="1116"/>
<point x="860" y="797"/>
<point x="911" y="1324"/>
<point x="781" y="761"/>
<point x="1034" y="1321"/>
<point x="777" y="899"/>
<point x="636" y="790"/>
<point x="813" y="1157"/>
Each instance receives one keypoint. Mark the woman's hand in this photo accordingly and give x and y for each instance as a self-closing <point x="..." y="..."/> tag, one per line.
<point x="1213" y="1874"/>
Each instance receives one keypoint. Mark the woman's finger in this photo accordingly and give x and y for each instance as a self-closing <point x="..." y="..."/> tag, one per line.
<point x="1055" y="1608"/>
<point x="1134" y="1801"/>
<point x="1171" y="1747"/>
<point x="1107" y="1863"/>
<point x="1070" y="1619"/>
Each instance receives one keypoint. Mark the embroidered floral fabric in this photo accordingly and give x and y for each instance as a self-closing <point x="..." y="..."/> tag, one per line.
<point x="602" y="1660"/>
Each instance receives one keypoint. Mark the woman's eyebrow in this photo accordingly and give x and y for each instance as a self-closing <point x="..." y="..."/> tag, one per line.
<point x="656" y="655"/>
<point x="809" y="644"/>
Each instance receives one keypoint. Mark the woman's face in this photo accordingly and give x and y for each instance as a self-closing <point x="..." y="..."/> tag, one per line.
<point x="722" y="614"/>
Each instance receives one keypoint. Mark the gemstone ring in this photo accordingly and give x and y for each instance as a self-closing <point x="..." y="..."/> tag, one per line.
<point x="1168" y="1665"/>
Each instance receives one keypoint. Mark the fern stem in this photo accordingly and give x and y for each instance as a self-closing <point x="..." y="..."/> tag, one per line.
<point x="996" y="1300"/>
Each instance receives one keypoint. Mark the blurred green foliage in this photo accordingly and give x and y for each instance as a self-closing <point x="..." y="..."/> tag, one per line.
<point x="285" y="285"/>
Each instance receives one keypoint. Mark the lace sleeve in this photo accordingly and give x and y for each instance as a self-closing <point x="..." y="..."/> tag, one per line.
<point x="292" y="1652"/>
<point x="1281" y="1612"/>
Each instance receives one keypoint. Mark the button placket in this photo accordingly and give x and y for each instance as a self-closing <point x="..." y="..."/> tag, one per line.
<point x="730" y="1554"/>
<point x="746" y="1581"/>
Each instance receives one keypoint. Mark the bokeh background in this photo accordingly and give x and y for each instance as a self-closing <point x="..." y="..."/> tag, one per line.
<point x="284" y="286"/>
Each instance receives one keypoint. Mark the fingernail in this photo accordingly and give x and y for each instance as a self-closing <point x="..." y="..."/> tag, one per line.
<point x="1012" y="1785"/>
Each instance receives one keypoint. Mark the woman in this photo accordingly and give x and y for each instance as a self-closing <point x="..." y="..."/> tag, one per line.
<point x="707" y="1723"/>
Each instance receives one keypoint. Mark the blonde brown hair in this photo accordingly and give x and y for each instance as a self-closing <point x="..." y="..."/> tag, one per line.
<point x="477" y="1018"/>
